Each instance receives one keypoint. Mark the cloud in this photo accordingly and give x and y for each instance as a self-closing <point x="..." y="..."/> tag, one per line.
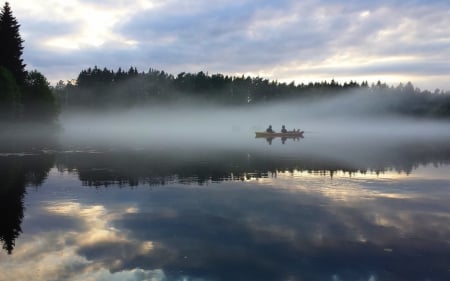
<point x="268" y="38"/>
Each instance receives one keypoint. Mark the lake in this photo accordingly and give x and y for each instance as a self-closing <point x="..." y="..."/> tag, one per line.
<point x="319" y="208"/>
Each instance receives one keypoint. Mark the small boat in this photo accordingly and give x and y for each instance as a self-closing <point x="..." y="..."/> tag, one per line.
<point x="292" y="134"/>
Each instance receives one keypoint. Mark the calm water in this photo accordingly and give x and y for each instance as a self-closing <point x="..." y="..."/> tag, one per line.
<point x="308" y="209"/>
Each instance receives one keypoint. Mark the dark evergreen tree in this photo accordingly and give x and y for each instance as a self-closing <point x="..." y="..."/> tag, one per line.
<point x="11" y="45"/>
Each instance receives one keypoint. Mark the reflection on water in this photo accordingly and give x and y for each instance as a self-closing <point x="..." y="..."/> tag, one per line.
<point x="166" y="165"/>
<point x="279" y="212"/>
<point x="15" y="174"/>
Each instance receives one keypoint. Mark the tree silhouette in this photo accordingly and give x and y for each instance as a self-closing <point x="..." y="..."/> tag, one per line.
<point x="11" y="208"/>
<point x="95" y="88"/>
<point x="11" y="45"/>
<point x="23" y="95"/>
<point x="16" y="173"/>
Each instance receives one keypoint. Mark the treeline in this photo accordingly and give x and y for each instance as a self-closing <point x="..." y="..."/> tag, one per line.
<point x="24" y="96"/>
<point x="98" y="88"/>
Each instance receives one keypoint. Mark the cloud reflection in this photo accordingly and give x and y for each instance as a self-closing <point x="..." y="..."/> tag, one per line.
<point x="284" y="231"/>
<point x="55" y="254"/>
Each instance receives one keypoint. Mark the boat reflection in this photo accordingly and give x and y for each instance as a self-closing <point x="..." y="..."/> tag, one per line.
<point x="283" y="139"/>
<point x="269" y="137"/>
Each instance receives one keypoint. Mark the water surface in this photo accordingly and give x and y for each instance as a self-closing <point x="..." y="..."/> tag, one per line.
<point x="308" y="209"/>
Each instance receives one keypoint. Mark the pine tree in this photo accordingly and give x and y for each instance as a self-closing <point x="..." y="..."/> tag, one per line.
<point x="11" y="45"/>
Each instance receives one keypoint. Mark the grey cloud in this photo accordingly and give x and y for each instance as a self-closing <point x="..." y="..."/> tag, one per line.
<point x="39" y="29"/>
<point x="411" y="68"/>
<point x="199" y="36"/>
<point x="232" y="38"/>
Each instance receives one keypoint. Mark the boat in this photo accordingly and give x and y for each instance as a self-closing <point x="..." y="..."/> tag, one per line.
<point x="292" y="134"/>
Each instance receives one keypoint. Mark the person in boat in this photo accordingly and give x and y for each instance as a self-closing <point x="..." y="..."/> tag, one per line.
<point x="269" y="130"/>
<point x="283" y="129"/>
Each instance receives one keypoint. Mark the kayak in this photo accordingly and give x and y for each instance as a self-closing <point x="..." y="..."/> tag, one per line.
<point x="273" y="135"/>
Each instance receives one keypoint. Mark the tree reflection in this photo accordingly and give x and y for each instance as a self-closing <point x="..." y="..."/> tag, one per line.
<point x="161" y="167"/>
<point x="17" y="172"/>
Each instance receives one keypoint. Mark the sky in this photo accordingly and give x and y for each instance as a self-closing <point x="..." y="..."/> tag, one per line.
<point x="284" y="40"/>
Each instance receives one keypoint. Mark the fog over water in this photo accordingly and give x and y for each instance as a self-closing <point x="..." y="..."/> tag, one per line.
<point x="225" y="125"/>
<point x="346" y="127"/>
<point x="348" y="131"/>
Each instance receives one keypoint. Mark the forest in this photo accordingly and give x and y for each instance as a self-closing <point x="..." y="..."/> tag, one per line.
<point x="97" y="88"/>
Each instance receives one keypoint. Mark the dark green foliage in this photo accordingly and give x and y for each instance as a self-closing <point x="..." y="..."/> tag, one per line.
<point x="11" y="45"/>
<point x="37" y="98"/>
<point x="9" y="96"/>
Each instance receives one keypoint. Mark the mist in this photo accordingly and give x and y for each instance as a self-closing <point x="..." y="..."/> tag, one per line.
<point x="353" y="130"/>
<point x="348" y="128"/>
